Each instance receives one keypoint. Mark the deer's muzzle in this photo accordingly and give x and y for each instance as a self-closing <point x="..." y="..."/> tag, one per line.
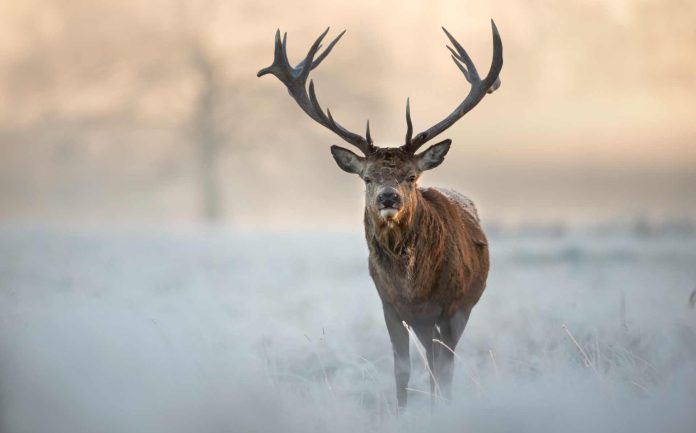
<point x="389" y="203"/>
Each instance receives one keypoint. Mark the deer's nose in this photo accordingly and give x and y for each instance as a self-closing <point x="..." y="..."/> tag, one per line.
<point x="389" y="198"/>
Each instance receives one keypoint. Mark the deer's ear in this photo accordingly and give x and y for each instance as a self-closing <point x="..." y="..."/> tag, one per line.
<point x="433" y="156"/>
<point x="347" y="160"/>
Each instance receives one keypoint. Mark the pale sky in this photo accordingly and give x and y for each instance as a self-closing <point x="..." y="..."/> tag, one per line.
<point x="594" y="118"/>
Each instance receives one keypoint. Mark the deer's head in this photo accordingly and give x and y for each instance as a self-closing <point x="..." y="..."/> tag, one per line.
<point x="390" y="174"/>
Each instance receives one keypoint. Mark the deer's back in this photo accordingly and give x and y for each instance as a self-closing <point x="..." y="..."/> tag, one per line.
<point x="460" y="201"/>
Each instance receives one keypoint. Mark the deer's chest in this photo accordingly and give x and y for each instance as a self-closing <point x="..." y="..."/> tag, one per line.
<point x="397" y="285"/>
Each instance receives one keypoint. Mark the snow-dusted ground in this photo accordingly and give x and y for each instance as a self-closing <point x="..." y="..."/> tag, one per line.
<point x="134" y="331"/>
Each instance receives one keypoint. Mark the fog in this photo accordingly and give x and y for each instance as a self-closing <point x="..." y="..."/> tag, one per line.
<point x="179" y="251"/>
<point x="222" y="332"/>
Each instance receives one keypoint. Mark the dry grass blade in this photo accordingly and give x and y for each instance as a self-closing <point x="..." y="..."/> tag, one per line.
<point x="420" y="391"/>
<point x="419" y="348"/>
<point x="495" y="364"/>
<point x="588" y="361"/>
<point x="471" y="376"/>
<point x="323" y="370"/>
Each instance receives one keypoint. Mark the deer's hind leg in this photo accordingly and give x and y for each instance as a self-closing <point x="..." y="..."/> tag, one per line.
<point x="450" y="331"/>
<point x="426" y="334"/>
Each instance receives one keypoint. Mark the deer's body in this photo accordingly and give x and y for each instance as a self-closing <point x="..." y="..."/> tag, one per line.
<point x="429" y="273"/>
<point x="440" y="264"/>
<point x="428" y="254"/>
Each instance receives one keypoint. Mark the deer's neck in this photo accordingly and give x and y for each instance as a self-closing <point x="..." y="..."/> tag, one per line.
<point x="395" y="238"/>
<point x="413" y="251"/>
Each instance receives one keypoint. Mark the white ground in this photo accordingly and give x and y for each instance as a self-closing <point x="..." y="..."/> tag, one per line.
<point x="134" y="331"/>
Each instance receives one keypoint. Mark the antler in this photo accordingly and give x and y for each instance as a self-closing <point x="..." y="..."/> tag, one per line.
<point x="295" y="80"/>
<point x="479" y="88"/>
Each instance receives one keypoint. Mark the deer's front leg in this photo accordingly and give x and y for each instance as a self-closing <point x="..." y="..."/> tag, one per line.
<point x="402" y="362"/>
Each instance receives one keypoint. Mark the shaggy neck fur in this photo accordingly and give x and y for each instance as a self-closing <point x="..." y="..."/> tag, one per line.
<point x="410" y="246"/>
<point x="393" y="235"/>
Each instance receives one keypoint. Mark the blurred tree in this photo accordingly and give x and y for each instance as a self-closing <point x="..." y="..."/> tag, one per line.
<point x="206" y="134"/>
<point x="207" y="127"/>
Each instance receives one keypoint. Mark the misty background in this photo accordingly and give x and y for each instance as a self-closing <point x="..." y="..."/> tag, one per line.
<point x="179" y="251"/>
<point x="150" y="112"/>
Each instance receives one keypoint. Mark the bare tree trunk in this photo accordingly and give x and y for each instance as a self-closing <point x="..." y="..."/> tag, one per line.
<point x="210" y="194"/>
<point x="206" y="134"/>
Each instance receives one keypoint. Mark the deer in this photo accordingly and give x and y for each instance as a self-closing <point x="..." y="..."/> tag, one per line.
<point x="428" y="254"/>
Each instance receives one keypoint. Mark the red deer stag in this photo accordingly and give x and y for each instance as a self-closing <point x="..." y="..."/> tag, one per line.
<point x="428" y="253"/>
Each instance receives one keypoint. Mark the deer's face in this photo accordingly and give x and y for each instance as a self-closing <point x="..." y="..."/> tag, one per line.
<point x="390" y="176"/>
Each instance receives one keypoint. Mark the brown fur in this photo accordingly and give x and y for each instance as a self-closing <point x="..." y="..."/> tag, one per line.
<point x="430" y="263"/>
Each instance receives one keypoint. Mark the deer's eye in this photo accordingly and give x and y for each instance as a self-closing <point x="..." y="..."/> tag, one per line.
<point x="367" y="180"/>
<point x="411" y="179"/>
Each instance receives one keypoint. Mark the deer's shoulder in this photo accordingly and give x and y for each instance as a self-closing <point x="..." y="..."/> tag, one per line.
<point x="466" y="209"/>
<point x="458" y="199"/>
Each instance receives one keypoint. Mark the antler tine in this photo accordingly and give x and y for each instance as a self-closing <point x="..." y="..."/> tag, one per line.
<point x="307" y="62"/>
<point x="479" y="88"/>
<point x="457" y="61"/>
<point x="295" y="80"/>
<point x="462" y="56"/>
<point x="497" y="62"/>
<point x="280" y="66"/>
<point x="324" y="53"/>
<point x="328" y="49"/>
<point x="284" y="46"/>
<point x="328" y="121"/>
<point x="462" y="68"/>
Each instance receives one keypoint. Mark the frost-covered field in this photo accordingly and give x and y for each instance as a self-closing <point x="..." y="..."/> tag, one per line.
<point x="141" y="331"/>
